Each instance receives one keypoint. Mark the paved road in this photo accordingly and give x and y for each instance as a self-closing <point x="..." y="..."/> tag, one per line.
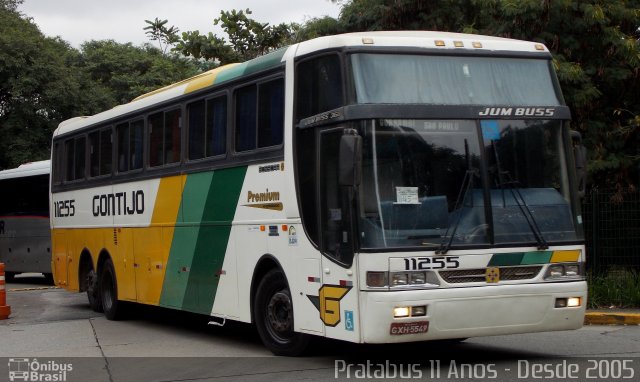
<point x="55" y="326"/>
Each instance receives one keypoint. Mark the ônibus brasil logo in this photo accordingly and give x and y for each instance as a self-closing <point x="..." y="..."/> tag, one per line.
<point x="25" y="369"/>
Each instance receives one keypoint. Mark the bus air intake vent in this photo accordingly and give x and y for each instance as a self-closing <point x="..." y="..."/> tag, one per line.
<point x="460" y="276"/>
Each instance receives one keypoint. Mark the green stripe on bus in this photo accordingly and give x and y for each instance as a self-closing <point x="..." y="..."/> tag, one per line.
<point x="506" y="259"/>
<point x="265" y="62"/>
<point x="185" y="237"/>
<point x="542" y="257"/>
<point x="213" y="239"/>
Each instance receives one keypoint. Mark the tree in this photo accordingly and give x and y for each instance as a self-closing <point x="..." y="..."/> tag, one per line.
<point x="44" y="81"/>
<point x="247" y="39"/>
<point x="38" y="89"/>
<point x="157" y="31"/>
<point x="595" y="47"/>
<point x="125" y="71"/>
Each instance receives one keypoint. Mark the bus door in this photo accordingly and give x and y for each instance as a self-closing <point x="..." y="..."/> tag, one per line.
<point x="338" y="297"/>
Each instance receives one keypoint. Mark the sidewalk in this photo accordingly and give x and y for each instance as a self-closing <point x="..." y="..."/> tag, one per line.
<point x="612" y="317"/>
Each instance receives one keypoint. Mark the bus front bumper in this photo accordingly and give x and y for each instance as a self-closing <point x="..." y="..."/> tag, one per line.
<point x="471" y="312"/>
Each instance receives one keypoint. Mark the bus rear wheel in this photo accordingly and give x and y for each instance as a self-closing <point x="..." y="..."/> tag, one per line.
<point x="112" y="308"/>
<point x="273" y="315"/>
<point x="93" y="291"/>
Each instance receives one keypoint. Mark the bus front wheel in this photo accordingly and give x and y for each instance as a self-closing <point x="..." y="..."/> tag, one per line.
<point x="273" y="315"/>
<point x="109" y="292"/>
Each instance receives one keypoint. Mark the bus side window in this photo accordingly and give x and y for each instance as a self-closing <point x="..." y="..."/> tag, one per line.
<point x="271" y="113"/>
<point x="319" y="86"/>
<point x="69" y="155"/>
<point x="136" y="146"/>
<point x="172" y="126"/>
<point x="94" y="154"/>
<point x="58" y="163"/>
<point x="216" y="126"/>
<point x="246" y="99"/>
<point x="75" y="150"/>
<point x="260" y="115"/>
<point x="164" y="137"/>
<point x="105" y="151"/>
<point x="122" y="133"/>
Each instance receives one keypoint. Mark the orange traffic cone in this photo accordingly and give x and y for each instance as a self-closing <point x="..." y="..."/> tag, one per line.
<point x="5" y="310"/>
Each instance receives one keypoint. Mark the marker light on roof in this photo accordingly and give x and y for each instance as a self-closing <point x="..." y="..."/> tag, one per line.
<point x="477" y="44"/>
<point x="367" y="40"/>
<point x="439" y="43"/>
<point x="458" y="44"/>
<point x="539" y="47"/>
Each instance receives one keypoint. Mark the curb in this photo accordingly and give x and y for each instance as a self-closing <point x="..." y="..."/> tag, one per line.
<point x="602" y="318"/>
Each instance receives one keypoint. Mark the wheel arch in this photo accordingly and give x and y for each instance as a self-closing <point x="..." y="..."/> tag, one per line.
<point x="84" y="267"/>
<point x="265" y="264"/>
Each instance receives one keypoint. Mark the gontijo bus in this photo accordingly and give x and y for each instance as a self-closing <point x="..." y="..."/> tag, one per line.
<point x="374" y="187"/>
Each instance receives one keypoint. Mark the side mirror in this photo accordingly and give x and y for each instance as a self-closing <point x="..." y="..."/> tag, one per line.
<point x="350" y="159"/>
<point x="580" y="159"/>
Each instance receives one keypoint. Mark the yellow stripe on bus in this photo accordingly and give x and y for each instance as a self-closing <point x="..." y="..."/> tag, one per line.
<point x="565" y="256"/>
<point x="152" y="245"/>
<point x="206" y="79"/>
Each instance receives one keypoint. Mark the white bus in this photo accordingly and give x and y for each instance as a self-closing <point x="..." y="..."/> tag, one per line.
<point x="373" y="187"/>
<point x="25" y="239"/>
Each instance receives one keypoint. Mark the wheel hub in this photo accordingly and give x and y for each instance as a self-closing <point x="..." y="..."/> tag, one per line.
<point x="279" y="312"/>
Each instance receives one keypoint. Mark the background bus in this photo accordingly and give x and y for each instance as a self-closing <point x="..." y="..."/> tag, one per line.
<point x="372" y="187"/>
<point x="25" y="237"/>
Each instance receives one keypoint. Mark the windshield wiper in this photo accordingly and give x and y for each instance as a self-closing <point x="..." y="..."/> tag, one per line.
<point x="467" y="181"/>
<point x="519" y="199"/>
<point x="462" y="194"/>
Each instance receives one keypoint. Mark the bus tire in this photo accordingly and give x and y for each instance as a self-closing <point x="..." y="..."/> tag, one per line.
<point x="9" y="277"/>
<point x="273" y="315"/>
<point x="112" y="308"/>
<point x="93" y="291"/>
<point x="48" y="278"/>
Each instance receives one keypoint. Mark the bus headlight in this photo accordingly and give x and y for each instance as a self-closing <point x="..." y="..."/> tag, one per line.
<point x="572" y="270"/>
<point x="411" y="279"/>
<point x="399" y="279"/>
<point x="418" y="278"/>
<point x="569" y="271"/>
<point x="555" y="271"/>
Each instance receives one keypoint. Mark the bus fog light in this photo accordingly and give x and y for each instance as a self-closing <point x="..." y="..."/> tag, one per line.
<point x="561" y="303"/>
<point x="377" y="279"/>
<point x="573" y="302"/>
<point x="572" y="270"/>
<point x="417" y="311"/>
<point x="400" y="279"/>
<point x="401" y="312"/>
<point x="418" y="278"/>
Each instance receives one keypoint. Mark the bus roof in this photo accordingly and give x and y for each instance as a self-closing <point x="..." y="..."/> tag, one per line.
<point x="27" y="169"/>
<point x="411" y="39"/>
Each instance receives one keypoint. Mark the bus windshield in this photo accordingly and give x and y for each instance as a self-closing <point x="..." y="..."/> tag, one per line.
<point x="452" y="80"/>
<point x="422" y="183"/>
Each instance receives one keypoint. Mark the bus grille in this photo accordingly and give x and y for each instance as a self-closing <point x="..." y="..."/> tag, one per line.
<point x="478" y="275"/>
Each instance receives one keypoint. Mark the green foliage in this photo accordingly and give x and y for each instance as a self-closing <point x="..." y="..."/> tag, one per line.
<point x="619" y="288"/>
<point x="247" y="38"/>
<point x="157" y="31"/>
<point x="44" y="81"/>
<point x="316" y="27"/>
<point x="596" y="51"/>
<point x="124" y="71"/>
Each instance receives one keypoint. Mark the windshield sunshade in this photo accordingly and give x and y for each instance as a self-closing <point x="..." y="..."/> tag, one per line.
<point x="446" y="80"/>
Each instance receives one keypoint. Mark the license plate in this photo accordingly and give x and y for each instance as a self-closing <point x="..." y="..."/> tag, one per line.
<point x="400" y="328"/>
